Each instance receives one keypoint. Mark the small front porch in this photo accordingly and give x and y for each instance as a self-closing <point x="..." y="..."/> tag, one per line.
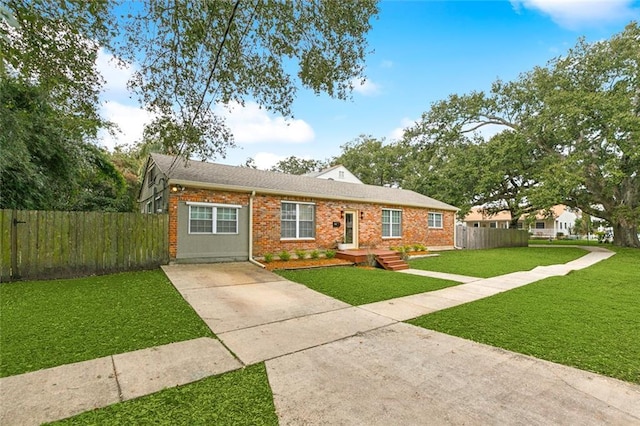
<point x="388" y="259"/>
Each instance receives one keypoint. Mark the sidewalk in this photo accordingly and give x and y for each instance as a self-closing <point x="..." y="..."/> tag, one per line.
<point x="405" y="308"/>
<point x="60" y="392"/>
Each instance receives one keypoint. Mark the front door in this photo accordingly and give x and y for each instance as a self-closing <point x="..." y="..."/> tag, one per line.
<point x="351" y="229"/>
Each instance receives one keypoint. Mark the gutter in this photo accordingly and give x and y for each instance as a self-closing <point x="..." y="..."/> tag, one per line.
<point x="251" y="259"/>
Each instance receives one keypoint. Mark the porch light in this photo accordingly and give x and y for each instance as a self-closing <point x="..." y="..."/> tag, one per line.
<point x="177" y="188"/>
<point x="361" y="215"/>
<point x="341" y="214"/>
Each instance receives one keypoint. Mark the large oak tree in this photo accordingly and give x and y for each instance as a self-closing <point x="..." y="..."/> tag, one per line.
<point x="567" y="133"/>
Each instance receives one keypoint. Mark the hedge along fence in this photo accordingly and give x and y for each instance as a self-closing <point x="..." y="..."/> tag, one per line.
<point x="54" y="244"/>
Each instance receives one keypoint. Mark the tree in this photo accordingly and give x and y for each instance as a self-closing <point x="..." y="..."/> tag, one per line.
<point x="194" y="59"/>
<point x="54" y="43"/>
<point x="298" y="166"/>
<point x="589" y="131"/>
<point x="43" y="164"/>
<point x="372" y="161"/>
<point x="570" y="135"/>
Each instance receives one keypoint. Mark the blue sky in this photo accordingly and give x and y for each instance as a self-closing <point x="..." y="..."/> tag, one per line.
<point x="422" y="52"/>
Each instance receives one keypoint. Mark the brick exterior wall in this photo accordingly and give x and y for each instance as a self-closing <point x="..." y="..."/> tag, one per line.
<point x="266" y="222"/>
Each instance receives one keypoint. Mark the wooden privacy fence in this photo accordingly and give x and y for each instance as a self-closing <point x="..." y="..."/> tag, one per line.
<point x="482" y="238"/>
<point x="53" y="244"/>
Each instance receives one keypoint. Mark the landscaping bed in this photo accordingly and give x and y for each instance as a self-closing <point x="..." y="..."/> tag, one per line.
<point x="304" y="263"/>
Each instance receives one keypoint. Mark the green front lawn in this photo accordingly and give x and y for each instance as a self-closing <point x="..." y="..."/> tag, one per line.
<point x="50" y="323"/>
<point x="589" y="319"/>
<point x="493" y="262"/>
<point x="358" y="286"/>
<point x="241" y="397"/>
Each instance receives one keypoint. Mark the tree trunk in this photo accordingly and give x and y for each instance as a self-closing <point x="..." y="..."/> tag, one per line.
<point x="625" y="236"/>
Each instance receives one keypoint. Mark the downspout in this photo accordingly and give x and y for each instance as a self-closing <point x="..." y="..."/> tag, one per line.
<point x="251" y="259"/>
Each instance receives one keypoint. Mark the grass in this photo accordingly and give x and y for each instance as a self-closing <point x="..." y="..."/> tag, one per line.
<point x="241" y="397"/>
<point x="589" y="319"/>
<point x="50" y="323"/>
<point x="358" y="286"/>
<point x="567" y="242"/>
<point x="493" y="262"/>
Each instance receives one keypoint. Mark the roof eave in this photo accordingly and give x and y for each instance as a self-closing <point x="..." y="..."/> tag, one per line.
<point x="238" y="188"/>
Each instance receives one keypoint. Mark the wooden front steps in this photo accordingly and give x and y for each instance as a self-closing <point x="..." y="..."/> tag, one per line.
<point x="391" y="261"/>
<point x="388" y="259"/>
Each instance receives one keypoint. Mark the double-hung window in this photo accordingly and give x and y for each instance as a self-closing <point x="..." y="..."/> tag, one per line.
<point x="205" y="218"/>
<point x="297" y="220"/>
<point x="435" y="220"/>
<point x="391" y="223"/>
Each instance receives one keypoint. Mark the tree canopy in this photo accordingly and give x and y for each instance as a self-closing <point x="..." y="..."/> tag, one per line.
<point x="191" y="59"/>
<point x="566" y="133"/>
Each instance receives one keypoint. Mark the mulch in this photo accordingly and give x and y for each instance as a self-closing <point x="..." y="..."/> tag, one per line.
<point x="305" y="263"/>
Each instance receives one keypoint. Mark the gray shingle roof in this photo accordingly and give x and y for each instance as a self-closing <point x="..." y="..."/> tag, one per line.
<point x="245" y="178"/>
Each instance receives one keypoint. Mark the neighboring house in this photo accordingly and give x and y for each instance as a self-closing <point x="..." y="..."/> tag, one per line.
<point x="561" y="221"/>
<point x="224" y="213"/>
<point x="338" y="172"/>
<point x="478" y="218"/>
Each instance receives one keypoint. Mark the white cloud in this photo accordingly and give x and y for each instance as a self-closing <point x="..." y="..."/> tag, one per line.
<point x="398" y="132"/>
<point x="365" y="87"/>
<point x="266" y="160"/>
<point x="251" y="124"/>
<point x="130" y="120"/>
<point x="578" y="13"/>
<point x="116" y="75"/>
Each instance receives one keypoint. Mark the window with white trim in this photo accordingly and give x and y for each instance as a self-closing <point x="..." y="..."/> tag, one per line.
<point x="297" y="220"/>
<point x="539" y="225"/>
<point x="435" y="220"/>
<point x="391" y="223"/>
<point x="213" y="219"/>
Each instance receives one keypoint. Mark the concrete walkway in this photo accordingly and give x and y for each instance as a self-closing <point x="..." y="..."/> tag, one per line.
<point x="331" y="363"/>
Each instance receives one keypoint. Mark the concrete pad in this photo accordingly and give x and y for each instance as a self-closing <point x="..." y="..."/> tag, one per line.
<point x="236" y="307"/>
<point x="397" y="309"/>
<point x="264" y="342"/>
<point x="190" y="276"/>
<point x="441" y="275"/>
<point x="402" y="374"/>
<point x="56" y="393"/>
<point x="151" y="370"/>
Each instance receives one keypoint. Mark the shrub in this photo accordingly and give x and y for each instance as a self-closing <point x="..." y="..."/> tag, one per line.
<point x="284" y="255"/>
<point x="330" y="254"/>
<point x="300" y="254"/>
<point x="268" y="257"/>
<point x="408" y="248"/>
<point x="315" y="254"/>
<point x="419" y="247"/>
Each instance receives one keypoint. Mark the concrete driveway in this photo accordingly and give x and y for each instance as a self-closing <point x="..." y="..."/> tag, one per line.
<point x="331" y="363"/>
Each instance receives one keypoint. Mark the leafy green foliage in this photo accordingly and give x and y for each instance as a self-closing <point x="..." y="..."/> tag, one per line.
<point x="284" y="255"/>
<point x="298" y="166"/>
<point x="315" y="254"/>
<point x="493" y="262"/>
<point x="567" y="134"/>
<point x="46" y="165"/>
<point x="301" y="254"/>
<point x="49" y="323"/>
<point x="373" y="161"/>
<point x="588" y="319"/>
<point x="197" y="58"/>
<point x="268" y="257"/>
<point x="358" y="286"/>
<point x="239" y="397"/>
<point x="330" y="254"/>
